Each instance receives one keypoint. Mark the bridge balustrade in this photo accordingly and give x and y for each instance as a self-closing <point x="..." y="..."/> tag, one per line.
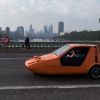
<point x="45" y="44"/>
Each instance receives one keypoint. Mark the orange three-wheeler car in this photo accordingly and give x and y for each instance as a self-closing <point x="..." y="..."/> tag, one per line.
<point x="69" y="59"/>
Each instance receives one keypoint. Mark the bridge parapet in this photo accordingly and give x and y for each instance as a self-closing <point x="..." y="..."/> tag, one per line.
<point x="45" y="44"/>
<point x="38" y="47"/>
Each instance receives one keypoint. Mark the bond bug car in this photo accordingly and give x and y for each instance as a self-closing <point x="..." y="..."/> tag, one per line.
<point x="69" y="59"/>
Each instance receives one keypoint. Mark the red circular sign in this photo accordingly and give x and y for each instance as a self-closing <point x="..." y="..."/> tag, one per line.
<point x="5" y="40"/>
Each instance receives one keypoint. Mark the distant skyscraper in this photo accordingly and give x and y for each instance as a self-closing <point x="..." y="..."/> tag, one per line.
<point x="45" y="30"/>
<point x="60" y="27"/>
<point x="51" y="29"/>
<point x="20" y="32"/>
<point x="41" y="31"/>
<point x="0" y="29"/>
<point x="7" y="31"/>
<point x="30" y="27"/>
<point x="0" y="32"/>
<point x="31" y="33"/>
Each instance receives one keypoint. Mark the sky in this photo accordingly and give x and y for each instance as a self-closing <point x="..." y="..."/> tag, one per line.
<point x="76" y="14"/>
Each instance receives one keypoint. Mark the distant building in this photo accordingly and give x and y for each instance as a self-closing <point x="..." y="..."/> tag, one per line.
<point x="20" y="32"/>
<point x="51" y="29"/>
<point x="41" y="31"/>
<point x="0" y="32"/>
<point x="7" y="31"/>
<point x="0" y="29"/>
<point x="31" y="33"/>
<point x="26" y="33"/>
<point x="13" y="35"/>
<point x="60" y="27"/>
<point x="45" y="30"/>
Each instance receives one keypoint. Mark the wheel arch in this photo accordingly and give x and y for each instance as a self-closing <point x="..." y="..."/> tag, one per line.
<point x="94" y="71"/>
<point x="92" y="66"/>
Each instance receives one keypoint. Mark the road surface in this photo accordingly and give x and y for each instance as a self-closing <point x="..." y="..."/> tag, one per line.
<point x="17" y="83"/>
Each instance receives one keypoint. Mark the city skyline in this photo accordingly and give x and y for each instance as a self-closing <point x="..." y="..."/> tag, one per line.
<point x="45" y="29"/>
<point x="49" y="28"/>
<point x="76" y="14"/>
<point x="21" y="33"/>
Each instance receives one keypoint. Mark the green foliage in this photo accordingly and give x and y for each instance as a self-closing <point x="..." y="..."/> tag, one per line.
<point x="82" y="36"/>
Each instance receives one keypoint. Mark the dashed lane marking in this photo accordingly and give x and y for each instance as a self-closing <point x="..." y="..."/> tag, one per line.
<point x="14" y="58"/>
<point x="49" y="87"/>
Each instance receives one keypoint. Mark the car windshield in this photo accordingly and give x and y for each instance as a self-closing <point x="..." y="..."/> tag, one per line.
<point x="61" y="50"/>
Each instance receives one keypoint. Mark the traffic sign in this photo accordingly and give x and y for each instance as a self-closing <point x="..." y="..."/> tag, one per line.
<point x="5" y="39"/>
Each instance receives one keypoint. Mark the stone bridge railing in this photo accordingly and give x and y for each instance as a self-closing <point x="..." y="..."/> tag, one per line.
<point x="45" y="44"/>
<point x="37" y="47"/>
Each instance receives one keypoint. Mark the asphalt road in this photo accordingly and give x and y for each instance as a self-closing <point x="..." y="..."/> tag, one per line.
<point x="17" y="83"/>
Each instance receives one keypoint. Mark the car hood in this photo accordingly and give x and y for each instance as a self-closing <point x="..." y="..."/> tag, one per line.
<point x="41" y="58"/>
<point x="47" y="56"/>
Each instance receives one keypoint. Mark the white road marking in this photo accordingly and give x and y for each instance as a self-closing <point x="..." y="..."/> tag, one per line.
<point x="49" y="87"/>
<point x="14" y="58"/>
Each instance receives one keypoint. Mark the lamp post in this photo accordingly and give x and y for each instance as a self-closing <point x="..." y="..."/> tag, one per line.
<point x="98" y="37"/>
<point x="98" y="33"/>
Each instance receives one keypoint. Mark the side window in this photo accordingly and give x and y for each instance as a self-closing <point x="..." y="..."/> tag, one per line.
<point x="74" y="57"/>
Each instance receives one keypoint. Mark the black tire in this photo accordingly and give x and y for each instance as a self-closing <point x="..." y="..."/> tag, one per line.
<point x="95" y="72"/>
<point x="36" y="74"/>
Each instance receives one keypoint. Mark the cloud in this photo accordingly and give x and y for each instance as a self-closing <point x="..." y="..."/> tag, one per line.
<point x="75" y="13"/>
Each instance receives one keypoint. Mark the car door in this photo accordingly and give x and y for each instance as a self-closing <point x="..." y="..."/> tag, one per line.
<point x="72" y="61"/>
